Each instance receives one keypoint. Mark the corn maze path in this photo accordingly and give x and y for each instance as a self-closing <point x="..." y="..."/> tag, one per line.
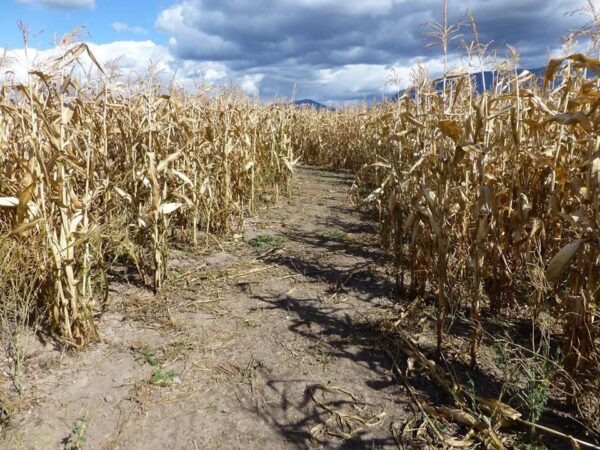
<point x="261" y="342"/>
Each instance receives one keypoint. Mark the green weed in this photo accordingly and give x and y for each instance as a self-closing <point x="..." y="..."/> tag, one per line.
<point x="76" y="439"/>
<point x="146" y="354"/>
<point x="268" y="241"/>
<point x="162" y="379"/>
<point x="331" y="234"/>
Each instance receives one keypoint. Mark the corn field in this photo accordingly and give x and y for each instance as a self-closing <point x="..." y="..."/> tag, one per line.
<point x="485" y="200"/>
<point x="91" y="168"/>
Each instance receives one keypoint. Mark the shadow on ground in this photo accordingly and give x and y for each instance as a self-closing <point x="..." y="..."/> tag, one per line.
<point x="356" y="270"/>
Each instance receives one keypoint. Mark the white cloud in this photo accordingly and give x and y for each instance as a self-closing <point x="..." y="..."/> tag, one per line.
<point x="354" y="79"/>
<point x="60" y="4"/>
<point x="250" y="83"/>
<point x="122" y="27"/>
<point x="134" y="58"/>
<point x="21" y="62"/>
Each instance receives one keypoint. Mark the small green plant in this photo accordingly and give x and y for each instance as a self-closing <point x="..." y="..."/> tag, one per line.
<point x="176" y="349"/>
<point x="76" y="439"/>
<point x="267" y="241"/>
<point x="529" y="377"/>
<point x="536" y="392"/>
<point x="532" y="387"/>
<point x="252" y="368"/>
<point x="250" y="323"/>
<point x="162" y="379"/>
<point x="323" y="357"/>
<point x="331" y="234"/>
<point x="146" y="354"/>
<point x="536" y="447"/>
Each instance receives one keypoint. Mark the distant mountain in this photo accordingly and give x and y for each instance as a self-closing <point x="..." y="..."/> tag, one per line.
<point x="488" y="76"/>
<point x="311" y="103"/>
<point x="479" y="78"/>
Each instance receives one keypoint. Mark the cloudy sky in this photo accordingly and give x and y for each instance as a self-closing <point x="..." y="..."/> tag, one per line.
<point x="328" y="50"/>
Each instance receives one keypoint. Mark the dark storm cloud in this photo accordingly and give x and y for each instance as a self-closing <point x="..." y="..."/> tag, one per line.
<point x="269" y="32"/>
<point x="273" y="37"/>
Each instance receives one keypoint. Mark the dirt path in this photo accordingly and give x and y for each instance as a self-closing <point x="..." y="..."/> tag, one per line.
<point x="264" y="343"/>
